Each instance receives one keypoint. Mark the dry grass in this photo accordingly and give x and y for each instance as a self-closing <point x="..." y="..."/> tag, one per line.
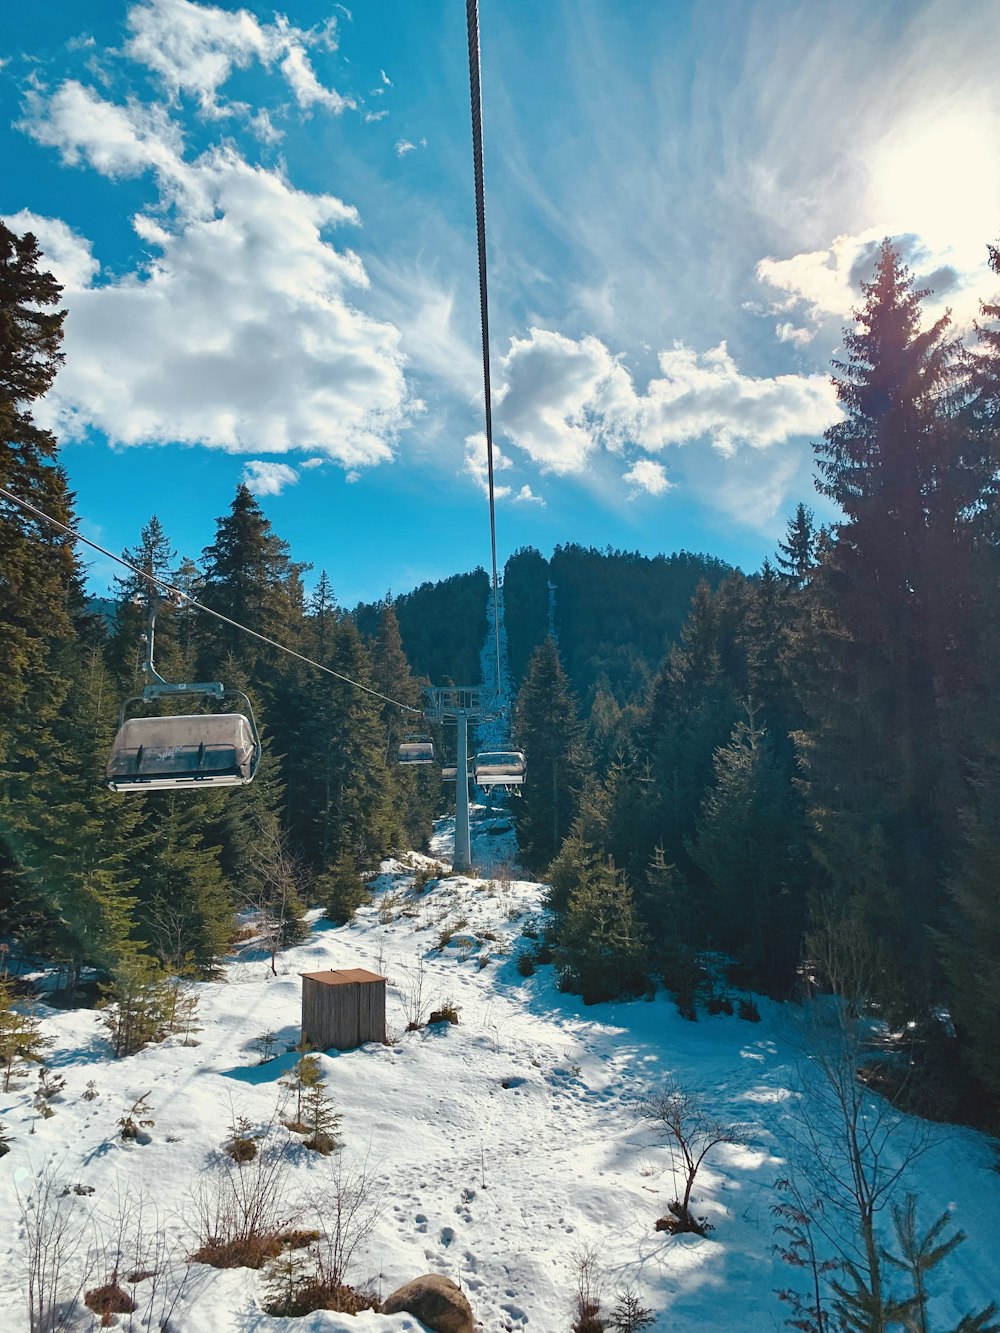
<point x="107" y="1301"/>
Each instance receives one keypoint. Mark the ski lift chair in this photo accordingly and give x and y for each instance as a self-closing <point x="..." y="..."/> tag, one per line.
<point x="186" y="750"/>
<point x="416" y="749"/>
<point x="190" y="750"/>
<point x="500" y="768"/>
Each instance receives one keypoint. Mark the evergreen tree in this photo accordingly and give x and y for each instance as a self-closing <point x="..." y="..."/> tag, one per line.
<point x="416" y="787"/>
<point x="693" y="708"/>
<point x="888" y="653"/>
<point x="74" y="837"/>
<point x="971" y="943"/>
<point x="797" y="554"/>
<point x="155" y="556"/>
<point x="339" y="793"/>
<point x="184" y="910"/>
<point x="21" y="1038"/>
<point x="40" y="591"/>
<point x="748" y="841"/>
<point x="249" y="577"/>
<point x="551" y="736"/>
<point x="602" y="953"/>
<point x="341" y="889"/>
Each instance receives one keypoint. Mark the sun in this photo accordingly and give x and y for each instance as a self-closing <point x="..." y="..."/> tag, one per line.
<point x="938" y="174"/>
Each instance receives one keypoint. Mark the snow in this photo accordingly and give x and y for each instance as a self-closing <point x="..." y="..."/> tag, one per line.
<point x="506" y="1144"/>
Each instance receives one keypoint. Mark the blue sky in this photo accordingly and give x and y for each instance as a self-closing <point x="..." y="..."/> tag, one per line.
<point x="264" y="223"/>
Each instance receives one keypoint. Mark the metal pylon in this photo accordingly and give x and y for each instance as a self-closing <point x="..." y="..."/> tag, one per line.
<point x="461" y="704"/>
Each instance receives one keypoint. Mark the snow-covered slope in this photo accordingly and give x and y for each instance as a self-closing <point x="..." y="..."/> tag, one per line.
<point x="506" y="1144"/>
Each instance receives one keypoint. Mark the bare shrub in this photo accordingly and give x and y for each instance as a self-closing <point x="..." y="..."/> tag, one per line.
<point x="347" y="1201"/>
<point x="691" y="1134"/>
<point x="851" y="1147"/>
<point x="53" y="1259"/>
<point x="241" y="1210"/>
<point x="414" y="1002"/>
<point x="589" y="1290"/>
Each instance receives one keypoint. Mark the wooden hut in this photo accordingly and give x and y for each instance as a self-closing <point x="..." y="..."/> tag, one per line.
<point x="342" y="1009"/>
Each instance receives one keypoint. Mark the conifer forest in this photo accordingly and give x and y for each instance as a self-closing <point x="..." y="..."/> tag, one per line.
<point x="795" y="770"/>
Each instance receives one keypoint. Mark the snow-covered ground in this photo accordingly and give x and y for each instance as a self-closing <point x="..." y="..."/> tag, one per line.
<point x="506" y="1144"/>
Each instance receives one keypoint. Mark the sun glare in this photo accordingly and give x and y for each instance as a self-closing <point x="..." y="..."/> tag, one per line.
<point x="938" y="174"/>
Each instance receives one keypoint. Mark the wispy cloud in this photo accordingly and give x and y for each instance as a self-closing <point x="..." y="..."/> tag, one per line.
<point x="477" y="465"/>
<point x="194" y="49"/>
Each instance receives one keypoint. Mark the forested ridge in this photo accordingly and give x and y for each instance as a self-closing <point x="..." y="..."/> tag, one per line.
<point x="729" y="776"/>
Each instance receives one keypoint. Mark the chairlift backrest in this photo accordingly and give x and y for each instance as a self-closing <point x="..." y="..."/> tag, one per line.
<point x="192" y="750"/>
<point x="416" y="750"/>
<point x="500" y="768"/>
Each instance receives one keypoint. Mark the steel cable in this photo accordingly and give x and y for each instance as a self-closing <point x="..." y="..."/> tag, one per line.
<point x="476" y="98"/>
<point x="200" y="606"/>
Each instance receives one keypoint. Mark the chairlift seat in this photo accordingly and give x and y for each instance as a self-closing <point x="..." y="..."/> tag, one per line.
<point x="499" y="769"/>
<point x="194" y="750"/>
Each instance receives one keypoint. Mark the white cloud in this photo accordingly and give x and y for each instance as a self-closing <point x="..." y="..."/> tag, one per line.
<point x="263" y="128"/>
<point x="707" y="395"/>
<point x="649" y="476"/>
<point x="527" y="496"/>
<point x="312" y="462"/>
<point x="788" y="333"/>
<point x="385" y="78"/>
<point x="820" y="285"/>
<point x="403" y="146"/>
<point x="264" y="478"/>
<point x="307" y="88"/>
<point x="477" y="465"/>
<point x="563" y="398"/>
<point x="371" y="117"/>
<point x="68" y="256"/>
<point x="195" y="48"/>
<point x="117" y="141"/>
<point x="239" y="331"/>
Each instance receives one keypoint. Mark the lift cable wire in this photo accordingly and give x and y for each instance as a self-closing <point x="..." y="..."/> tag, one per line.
<point x="476" y="97"/>
<point x="187" y="600"/>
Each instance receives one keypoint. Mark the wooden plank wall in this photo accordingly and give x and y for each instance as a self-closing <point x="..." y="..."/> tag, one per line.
<point x="343" y="1016"/>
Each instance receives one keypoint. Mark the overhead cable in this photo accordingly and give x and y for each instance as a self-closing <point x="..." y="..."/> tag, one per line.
<point x="199" y="606"/>
<point x="476" y="97"/>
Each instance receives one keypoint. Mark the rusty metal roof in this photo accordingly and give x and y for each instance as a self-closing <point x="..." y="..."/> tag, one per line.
<point x="344" y="977"/>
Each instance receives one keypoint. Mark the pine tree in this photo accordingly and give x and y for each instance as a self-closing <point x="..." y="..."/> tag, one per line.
<point x="416" y="787"/>
<point x="602" y="949"/>
<point x="250" y="577"/>
<point x="693" y="708"/>
<point x="970" y="945"/>
<point x="74" y="837"/>
<point x="797" y="554"/>
<point x="184" y="910"/>
<point x="339" y="793"/>
<point x="341" y="889"/>
<point x="41" y="589"/>
<point x="21" y="1038"/>
<point x="547" y="728"/>
<point x="888" y="653"/>
<point x="747" y="841"/>
<point x="155" y="556"/>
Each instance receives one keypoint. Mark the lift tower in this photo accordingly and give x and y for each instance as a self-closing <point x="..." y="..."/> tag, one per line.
<point x="461" y="704"/>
